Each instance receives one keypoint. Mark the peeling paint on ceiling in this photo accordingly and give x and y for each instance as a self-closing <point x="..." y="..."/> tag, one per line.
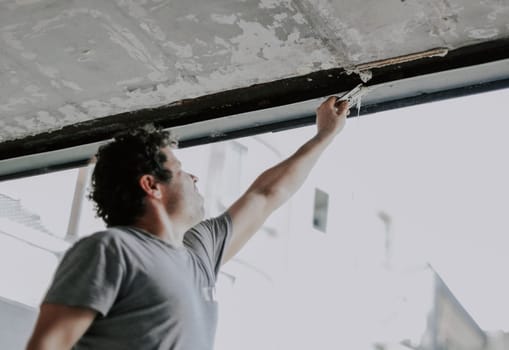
<point x="64" y="62"/>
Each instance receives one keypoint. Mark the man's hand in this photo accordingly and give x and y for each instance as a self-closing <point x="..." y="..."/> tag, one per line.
<point x="331" y="117"/>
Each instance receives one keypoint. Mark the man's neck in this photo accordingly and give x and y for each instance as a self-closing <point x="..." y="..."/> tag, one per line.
<point x="163" y="228"/>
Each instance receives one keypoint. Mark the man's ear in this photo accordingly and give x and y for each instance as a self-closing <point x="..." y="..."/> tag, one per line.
<point x="150" y="186"/>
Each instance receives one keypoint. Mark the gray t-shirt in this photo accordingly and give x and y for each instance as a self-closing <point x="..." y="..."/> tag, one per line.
<point x="148" y="294"/>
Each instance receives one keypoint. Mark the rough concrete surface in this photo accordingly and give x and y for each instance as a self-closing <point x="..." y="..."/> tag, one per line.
<point x="64" y="61"/>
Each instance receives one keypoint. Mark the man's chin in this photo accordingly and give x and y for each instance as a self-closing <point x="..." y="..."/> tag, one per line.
<point x="199" y="216"/>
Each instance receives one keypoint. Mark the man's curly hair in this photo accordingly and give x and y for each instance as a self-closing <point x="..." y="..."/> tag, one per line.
<point x="118" y="197"/>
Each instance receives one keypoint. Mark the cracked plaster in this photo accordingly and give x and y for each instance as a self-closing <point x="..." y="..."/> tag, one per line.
<point x="64" y="62"/>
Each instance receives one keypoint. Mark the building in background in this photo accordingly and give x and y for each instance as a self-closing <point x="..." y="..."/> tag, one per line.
<point x="29" y="253"/>
<point x="320" y="273"/>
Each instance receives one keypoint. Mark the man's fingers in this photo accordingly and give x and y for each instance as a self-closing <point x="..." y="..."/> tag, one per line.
<point x="331" y="101"/>
<point x="342" y="107"/>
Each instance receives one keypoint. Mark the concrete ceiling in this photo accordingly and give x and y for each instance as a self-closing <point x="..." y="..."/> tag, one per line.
<point x="65" y="62"/>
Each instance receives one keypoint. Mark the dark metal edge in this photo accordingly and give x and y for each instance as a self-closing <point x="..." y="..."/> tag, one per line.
<point x="255" y="97"/>
<point x="297" y="123"/>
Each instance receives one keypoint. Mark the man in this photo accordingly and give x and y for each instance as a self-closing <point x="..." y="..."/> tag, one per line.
<point x="147" y="282"/>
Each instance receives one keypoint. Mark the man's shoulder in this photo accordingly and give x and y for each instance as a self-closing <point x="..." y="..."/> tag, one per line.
<point x="214" y="223"/>
<point x="207" y="230"/>
<point x="113" y="237"/>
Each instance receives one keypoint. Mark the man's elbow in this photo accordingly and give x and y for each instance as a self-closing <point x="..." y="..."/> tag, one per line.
<point x="274" y="196"/>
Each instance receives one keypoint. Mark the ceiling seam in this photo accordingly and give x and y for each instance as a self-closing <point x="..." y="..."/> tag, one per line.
<point x="182" y="73"/>
<point x="327" y="35"/>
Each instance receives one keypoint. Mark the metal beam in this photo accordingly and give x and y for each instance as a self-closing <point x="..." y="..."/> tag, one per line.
<point x="277" y="105"/>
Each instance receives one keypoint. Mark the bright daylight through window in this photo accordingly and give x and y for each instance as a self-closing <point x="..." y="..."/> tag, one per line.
<point x="408" y="249"/>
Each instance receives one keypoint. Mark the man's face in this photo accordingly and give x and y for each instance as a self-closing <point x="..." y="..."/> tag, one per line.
<point x="183" y="201"/>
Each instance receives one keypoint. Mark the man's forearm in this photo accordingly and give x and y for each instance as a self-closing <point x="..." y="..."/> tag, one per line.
<point x="277" y="184"/>
<point x="284" y="179"/>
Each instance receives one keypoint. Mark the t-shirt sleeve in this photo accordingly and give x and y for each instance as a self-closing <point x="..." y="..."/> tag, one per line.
<point x="89" y="275"/>
<point x="209" y="240"/>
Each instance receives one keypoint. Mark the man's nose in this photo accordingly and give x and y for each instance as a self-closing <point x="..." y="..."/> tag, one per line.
<point x="194" y="177"/>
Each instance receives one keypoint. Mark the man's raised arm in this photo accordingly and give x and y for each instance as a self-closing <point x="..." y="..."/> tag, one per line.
<point x="277" y="184"/>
